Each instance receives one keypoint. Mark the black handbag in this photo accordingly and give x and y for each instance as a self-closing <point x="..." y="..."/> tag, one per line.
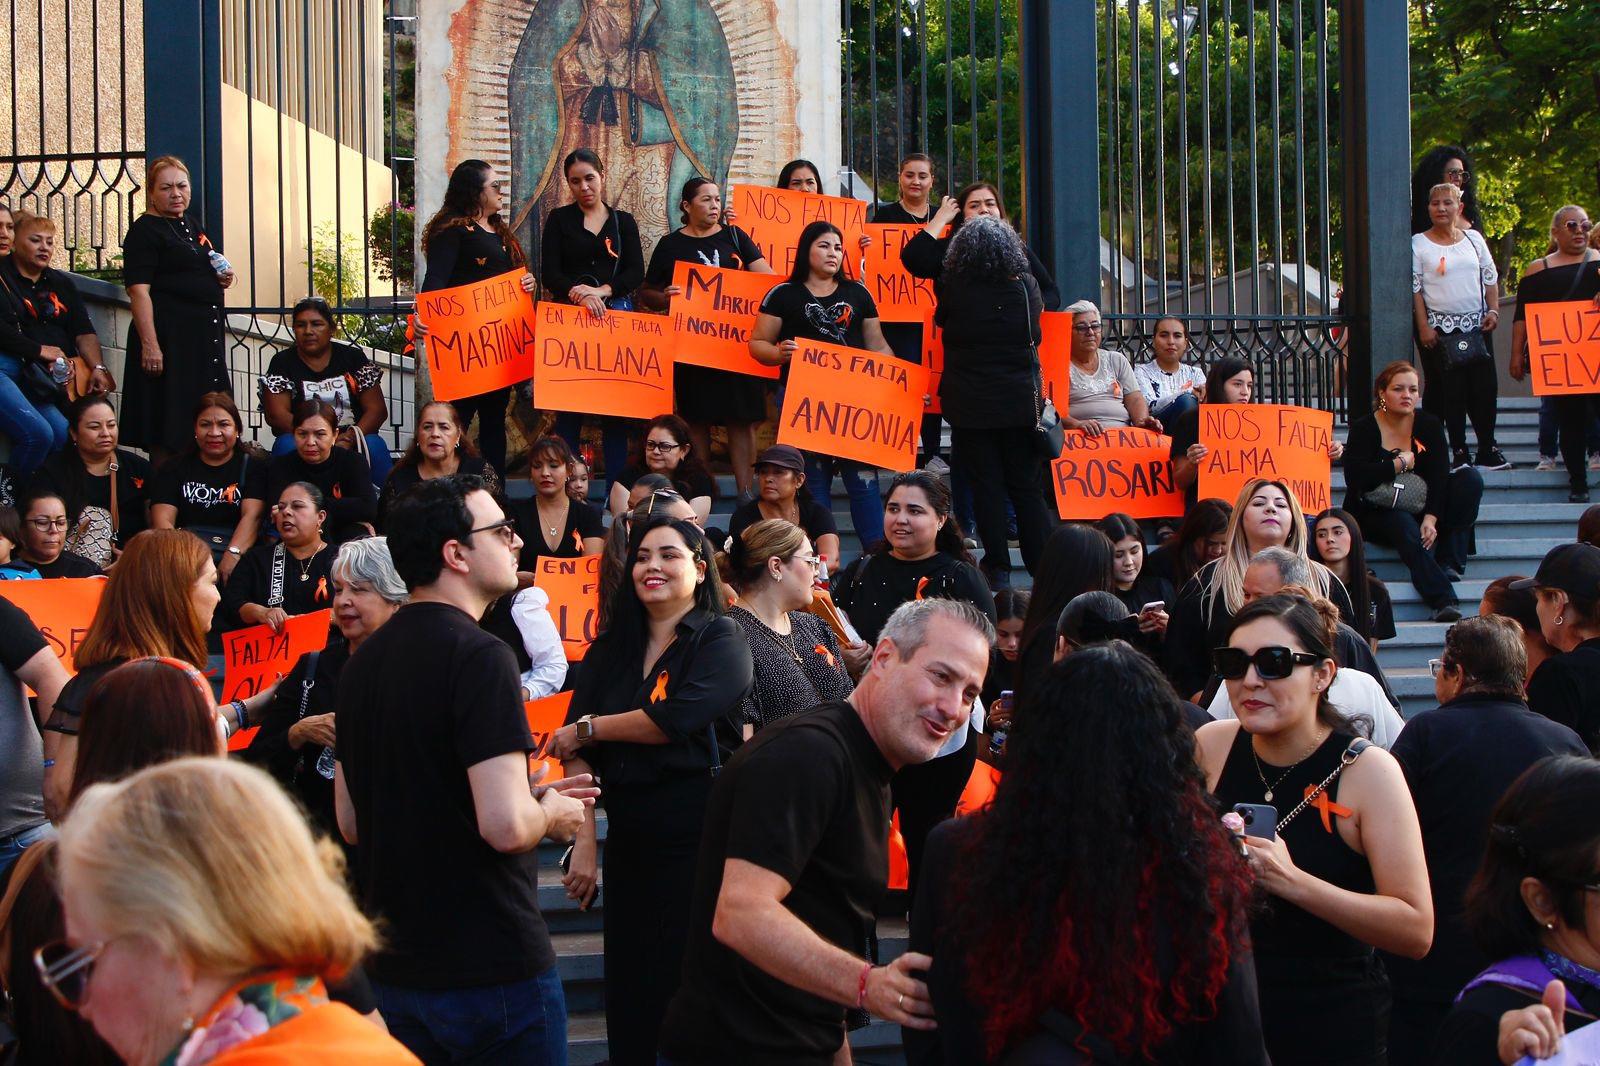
<point x="1049" y="436"/>
<point x="1468" y="346"/>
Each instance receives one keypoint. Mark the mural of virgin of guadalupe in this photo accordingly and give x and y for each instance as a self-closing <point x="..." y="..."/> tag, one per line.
<point x="647" y="84"/>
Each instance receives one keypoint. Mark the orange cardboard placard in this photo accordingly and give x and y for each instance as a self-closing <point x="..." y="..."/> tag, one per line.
<point x="980" y="789"/>
<point x="257" y="657"/>
<point x="545" y="716"/>
<point x="714" y="314"/>
<point x="573" y="586"/>
<point x="60" y="607"/>
<point x="480" y="336"/>
<point x="899" y="296"/>
<point x="617" y="365"/>
<point x="1055" y="357"/>
<point x="774" y="219"/>
<point x="1564" y="348"/>
<point x="1277" y="441"/>
<point x="853" y="404"/>
<point x="933" y="359"/>
<point x="1123" y="469"/>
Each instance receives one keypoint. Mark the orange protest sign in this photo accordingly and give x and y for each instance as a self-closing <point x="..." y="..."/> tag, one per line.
<point x="257" y="657"/>
<point x="545" y="716"/>
<point x="573" y="586"/>
<point x="933" y="359"/>
<point x="899" y="296"/>
<point x="853" y="404"/>
<point x="1564" y="348"/>
<point x="979" y="793"/>
<point x="617" y="365"/>
<point x="1277" y="441"/>
<point x="1123" y="469"/>
<point x="1055" y="357"/>
<point x="774" y="218"/>
<point x="60" y="607"/>
<point x="480" y="336"/>
<point x="713" y="316"/>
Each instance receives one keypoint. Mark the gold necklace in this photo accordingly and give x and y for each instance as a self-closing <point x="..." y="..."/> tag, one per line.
<point x="305" y="564"/>
<point x="1261" y="772"/>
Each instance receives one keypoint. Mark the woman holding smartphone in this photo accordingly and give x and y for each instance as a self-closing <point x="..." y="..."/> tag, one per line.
<point x="1334" y="840"/>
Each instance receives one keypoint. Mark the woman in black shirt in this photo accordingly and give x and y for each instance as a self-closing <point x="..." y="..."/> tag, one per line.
<point x="1336" y="543"/>
<point x="780" y="476"/>
<point x="44" y="537"/>
<point x="338" y="374"/>
<point x="277" y="581"/>
<point x="667" y="450"/>
<point x="1564" y="688"/>
<point x="339" y="473"/>
<point x="468" y="241"/>
<point x="176" y="351"/>
<point x="552" y="523"/>
<point x="923" y="256"/>
<point x="913" y="208"/>
<point x="104" y="486"/>
<point x="1131" y="581"/>
<point x="437" y="450"/>
<point x="202" y="490"/>
<point x="820" y="303"/>
<point x="657" y="743"/>
<point x="590" y="255"/>
<point x="705" y="396"/>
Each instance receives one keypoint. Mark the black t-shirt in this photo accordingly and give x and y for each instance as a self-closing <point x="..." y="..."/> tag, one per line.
<point x="815" y="519"/>
<point x="463" y="254"/>
<point x="295" y="769"/>
<point x="1471" y="1031"/>
<point x="204" y="495"/>
<point x="871" y="588"/>
<point x="730" y="248"/>
<point x="688" y="484"/>
<point x="405" y="475"/>
<point x="582" y="521"/>
<point x="339" y="384"/>
<point x="343" y="477"/>
<point x="1555" y="284"/>
<point x="838" y="318"/>
<point x="49" y="310"/>
<point x="65" y="473"/>
<point x="423" y="699"/>
<point x="1459" y="759"/>
<point x="307" y="584"/>
<point x="1566" y="689"/>
<point x="67" y="564"/>
<point x="1381" y="611"/>
<point x="807" y="799"/>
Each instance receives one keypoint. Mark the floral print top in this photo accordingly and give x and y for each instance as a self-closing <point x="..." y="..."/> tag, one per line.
<point x="245" y="1012"/>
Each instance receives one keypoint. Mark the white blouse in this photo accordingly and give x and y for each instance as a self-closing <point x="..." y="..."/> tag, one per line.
<point x="1451" y="279"/>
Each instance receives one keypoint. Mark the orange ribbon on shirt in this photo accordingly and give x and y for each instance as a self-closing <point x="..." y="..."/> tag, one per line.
<point x="577" y="540"/>
<point x="822" y="650"/>
<point x="659" y="693"/>
<point x="322" y="590"/>
<point x="1326" y="807"/>
<point x="922" y="583"/>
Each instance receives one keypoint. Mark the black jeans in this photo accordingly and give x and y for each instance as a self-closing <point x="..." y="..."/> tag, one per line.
<point x="999" y="464"/>
<point x="1471" y="391"/>
<point x="1573" y="416"/>
<point x="490" y="407"/>
<point x="1403" y="532"/>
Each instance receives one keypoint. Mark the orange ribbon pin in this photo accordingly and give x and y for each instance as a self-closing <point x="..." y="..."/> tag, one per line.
<point x="1327" y="808"/>
<point x="322" y="590"/>
<point x="659" y="693"/>
<point x="822" y="650"/>
<point x="577" y="540"/>
<point x="922" y="583"/>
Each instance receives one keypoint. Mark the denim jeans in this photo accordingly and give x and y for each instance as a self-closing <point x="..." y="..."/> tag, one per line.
<point x="519" y="1024"/>
<point x="377" y="454"/>
<point x="1402" y="532"/>
<point x="613" y="440"/>
<point x="35" y="429"/>
<point x="860" y="484"/>
<point x="1549" y="423"/>
<point x="12" y="847"/>
<point x="1174" y="407"/>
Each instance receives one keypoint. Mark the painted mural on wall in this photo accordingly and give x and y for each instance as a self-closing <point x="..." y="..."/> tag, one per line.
<point x="662" y="90"/>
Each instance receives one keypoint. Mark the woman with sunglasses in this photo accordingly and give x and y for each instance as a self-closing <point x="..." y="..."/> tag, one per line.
<point x="1570" y="271"/>
<point x="275" y="582"/>
<point x="1333" y="838"/>
<point x="668" y="449"/>
<point x="653" y="713"/>
<point x="338" y="473"/>
<point x="438" y="450"/>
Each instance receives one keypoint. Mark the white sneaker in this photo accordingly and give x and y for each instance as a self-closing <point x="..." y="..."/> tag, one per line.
<point x="1546" y="463"/>
<point x="938" y="467"/>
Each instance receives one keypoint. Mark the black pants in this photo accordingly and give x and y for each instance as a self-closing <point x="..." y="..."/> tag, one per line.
<point x="1471" y="391"/>
<point x="1573" y="414"/>
<point x="490" y="407"/>
<point x="999" y="464"/>
<point x="926" y="794"/>
<point x="932" y="444"/>
<point x="1403" y="532"/>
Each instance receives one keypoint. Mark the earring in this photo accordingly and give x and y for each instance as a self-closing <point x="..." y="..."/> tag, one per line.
<point x="1383" y="405"/>
<point x="776" y="577"/>
<point x="1560" y="619"/>
<point x="1550" y="926"/>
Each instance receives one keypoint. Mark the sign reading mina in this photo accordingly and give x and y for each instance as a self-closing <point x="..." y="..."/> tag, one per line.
<point x="617" y="365"/>
<point x="853" y="404"/>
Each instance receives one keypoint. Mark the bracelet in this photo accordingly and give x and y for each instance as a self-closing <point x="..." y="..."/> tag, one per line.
<point x="98" y="369"/>
<point x="861" y="987"/>
<point x="240" y="712"/>
<point x="227" y="729"/>
<point x="49" y="763"/>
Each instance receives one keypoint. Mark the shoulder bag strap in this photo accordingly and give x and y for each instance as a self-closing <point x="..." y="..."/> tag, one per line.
<point x="275" y="586"/>
<point x="1351" y="754"/>
<point x="308" y="682"/>
<point x="116" y="519"/>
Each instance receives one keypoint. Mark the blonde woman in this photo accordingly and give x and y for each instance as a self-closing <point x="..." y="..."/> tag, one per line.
<point x="1266" y="514"/>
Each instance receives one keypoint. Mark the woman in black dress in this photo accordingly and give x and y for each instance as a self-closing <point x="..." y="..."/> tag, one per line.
<point x="654" y="707"/>
<point x="705" y="396"/>
<point x="339" y="473"/>
<point x="1344" y="864"/>
<point x="468" y="241"/>
<point x="439" y="449"/>
<point x="553" y="523"/>
<point x="175" y="278"/>
<point x="202" y="490"/>
<point x="590" y="255"/>
<point x="275" y="582"/>
<point x="103" y="485"/>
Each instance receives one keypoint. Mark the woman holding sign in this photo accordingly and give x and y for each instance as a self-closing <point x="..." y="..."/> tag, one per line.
<point x="590" y="255"/>
<point x="468" y="241"/>
<point x="275" y="581"/>
<point x="706" y="396"/>
<point x="924" y="254"/>
<point x="1401" y="490"/>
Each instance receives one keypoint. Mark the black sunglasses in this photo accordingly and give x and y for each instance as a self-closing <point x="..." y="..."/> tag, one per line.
<point x="1272" y="663"/>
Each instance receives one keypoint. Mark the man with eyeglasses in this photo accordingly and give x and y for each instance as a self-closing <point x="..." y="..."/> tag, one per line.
<point x="431" y="785"/>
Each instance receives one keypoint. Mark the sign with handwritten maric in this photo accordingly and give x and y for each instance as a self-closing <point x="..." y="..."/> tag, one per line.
<point x="480" y="336"/>
<point x="620" y="364"/>
<point x="1276" y="441"/>
<point x="900" y="296"/>
<point x="714" y="314"/>
<point x="853" y="404"/>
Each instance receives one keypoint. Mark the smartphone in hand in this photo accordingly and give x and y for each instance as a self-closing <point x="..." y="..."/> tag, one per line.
<point x="1260" y="819"/>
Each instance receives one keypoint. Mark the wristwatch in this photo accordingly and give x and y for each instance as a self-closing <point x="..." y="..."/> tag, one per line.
<point x="584" y="728"/>
<point x="231" y="550"/>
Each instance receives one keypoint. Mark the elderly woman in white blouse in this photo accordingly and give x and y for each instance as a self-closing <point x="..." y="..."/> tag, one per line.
<point x="1105" y="391"/>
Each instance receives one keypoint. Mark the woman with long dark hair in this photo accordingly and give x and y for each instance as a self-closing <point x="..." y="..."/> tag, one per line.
<point x="553" y="523"/>
<point x="668" y="448"/>
<point x="468" y="240"/>
<point x="924" y="255"/>
<point x="277" y="580"/>
<point x="340" y="474"/>
<point x="1200" y="539"/>
<point x="202" y="490"/>
<point x="1077" y="559"/>
<point x="705" y="396"/>
<point x="820" y="303"/>
<point x="102" y="484"/>
<point x="1145" y="960"/>
<point x="590" y="255"/>
<point x="1336" y="543"/>
<point x="800" y="175"/>
<point x="439" y="449"/>
<point x="1445" y="163"/>
<point x="1343" y="860"/>
<point x="658" y="744"/>
<point x="1133" y="582"/>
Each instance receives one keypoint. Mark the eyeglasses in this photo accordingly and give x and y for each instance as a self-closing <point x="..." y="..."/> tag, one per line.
<point x="45" y="525"/>
<point x="1436" y="666"/>
<point x="505" y="529"/>
<point x="1089" y="327"/>
<point x="1273" y="663"/>
<point x="66" y="970"/>
<point x="1456" y="172"/>
<point x="810" y="560"/>
<point x="1574" y="226"/>
<point x="660" y="446"/>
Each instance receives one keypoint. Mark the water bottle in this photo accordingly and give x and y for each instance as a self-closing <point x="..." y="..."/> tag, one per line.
<point x="60" y="370"/>
<point x="219" y="262"/>
<point x="821" y="580"/>
<point x="999" y="724"/>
